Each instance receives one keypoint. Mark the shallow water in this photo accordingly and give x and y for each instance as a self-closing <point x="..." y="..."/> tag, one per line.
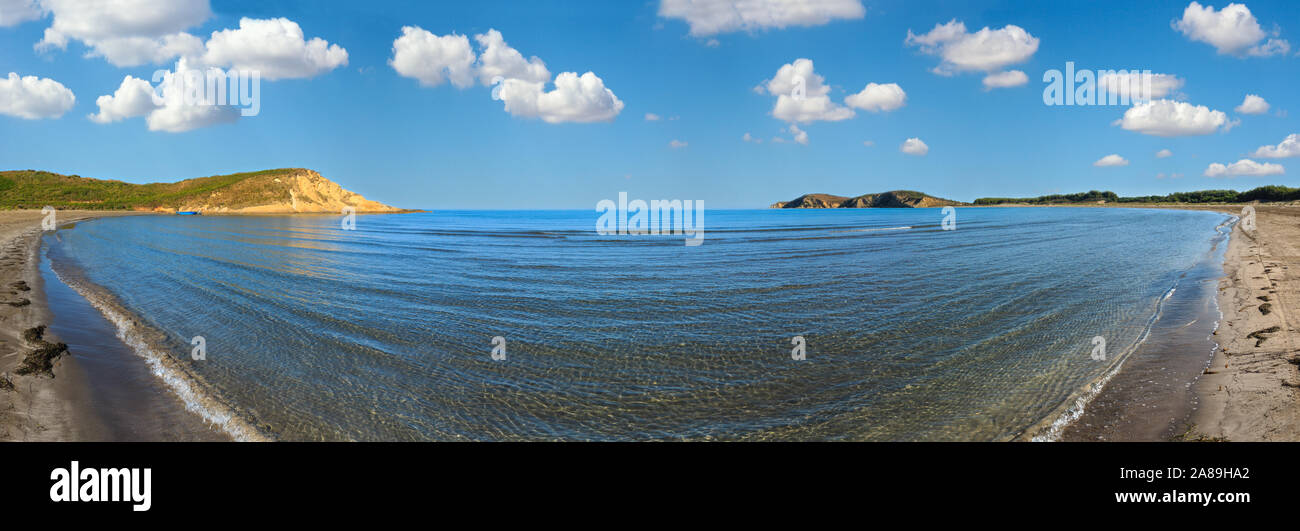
<point x="385" y="332"/>
<point x="125" y="399"/>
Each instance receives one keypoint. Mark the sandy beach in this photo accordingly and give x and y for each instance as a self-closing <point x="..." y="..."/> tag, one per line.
<point x="35" y="407"/>
<point x="1249" y="393"/>
<point x="99" y="392"/>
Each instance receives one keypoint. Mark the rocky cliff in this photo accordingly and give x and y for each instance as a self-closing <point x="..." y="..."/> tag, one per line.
<point x="894" y="199"/>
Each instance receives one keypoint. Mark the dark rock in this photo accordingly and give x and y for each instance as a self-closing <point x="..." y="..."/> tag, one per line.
<point x="40" y="361"/>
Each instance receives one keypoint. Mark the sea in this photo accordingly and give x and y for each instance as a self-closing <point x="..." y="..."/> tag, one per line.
<point x="973" y="324"/>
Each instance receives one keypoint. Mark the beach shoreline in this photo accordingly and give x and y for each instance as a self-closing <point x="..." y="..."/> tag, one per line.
<point x="37" y="407"/>
<point x="1248" y="393"/>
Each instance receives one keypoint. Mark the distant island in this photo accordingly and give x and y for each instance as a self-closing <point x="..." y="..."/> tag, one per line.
<point x="280" y="191"/>
<point x="894" y="199"/>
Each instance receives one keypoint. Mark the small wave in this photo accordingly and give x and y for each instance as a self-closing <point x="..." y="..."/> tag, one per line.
<point x="1053" y="431"/>
<point x="877" y="229"/>
<point x="163" y="367"/>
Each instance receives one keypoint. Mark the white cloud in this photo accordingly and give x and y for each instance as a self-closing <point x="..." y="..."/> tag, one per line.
<point x="433" y="60"/>
<point x="520" y="83"/>
<point x="575" y="99"/>
<point x="1253" y="105"/>
<point x="1111" y="160"/>
<point x="651" y="117"/>
<point x="1010" y="78"/>
<point x="176" y="115"/>
<point x="1232" y="31"/>
<point x="274" y="47"/>
<point x="126" y="32"/>
<point x="802" y="96"/>
<point x="800" y="136"/>
<point x="677" y="144"/>
<point x="499" y="60"/>
<point x="134" y="97"/>
<point x="1288" y="147"/>
<point x="1164" y="154"/>
<point x="171" y="107"/>
<point x="15" y="12"/>
<point x="1244" y="167"/>
<point x="1133" y="85"/>
<point x="751" y="138"/>
<point x="914" y="146"/>
<point x="1172" y="118"/>
<point x="710" y="17"/>
<point x="34" y="98"/>
<point x="986" y="50"/>
<point x="876" y="98"/>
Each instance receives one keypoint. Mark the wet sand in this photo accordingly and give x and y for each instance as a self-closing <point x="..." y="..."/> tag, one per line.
<point x="1248" y="389"/>
<point x="97" y="391"/>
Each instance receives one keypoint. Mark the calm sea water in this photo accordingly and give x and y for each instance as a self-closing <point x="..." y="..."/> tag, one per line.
<point x="386" y="332"/>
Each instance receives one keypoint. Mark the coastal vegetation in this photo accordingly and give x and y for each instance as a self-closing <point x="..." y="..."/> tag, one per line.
<point x="1263" y="194"/>
<point x="285" y="189"/>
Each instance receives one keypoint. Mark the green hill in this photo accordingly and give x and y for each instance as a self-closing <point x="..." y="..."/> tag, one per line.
<point x="281" y="190"/>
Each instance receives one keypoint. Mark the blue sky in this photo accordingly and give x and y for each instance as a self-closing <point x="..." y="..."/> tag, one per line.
<point x="383" y="133"/>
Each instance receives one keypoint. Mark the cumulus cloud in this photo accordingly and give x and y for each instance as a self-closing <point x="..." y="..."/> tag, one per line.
<point x="986" y="50"/>
<point x="519" y="83"/>
<point x="1164" y="154"/>
<point x="751" y="138"/>
<point x="1172" y="118"/>
<point x="15" y="12"/>
<point x="1289" y="147"/>
<point x="1244" y="167"/>
<point x="575" y="99"/>
<point x="802" y="96"/>
<point x="134" y="32"/>
<point x="677" y="144"/>
<point x="914" y="146"/>
<point x="176" y="114"/>
<point x="876" y="98"/>
<point x="34" y="98"/>
<point x="651" y="117"/>
<point x="134" y="97"/>
<point x="178" y="103"/>
<point x="1232" y="31"/>
<point x="1010" y="78"/>
<point x="275" y="47"/>
<point x="1111" y="160"/>
<point x="710" y="17"/>
<point x="126" y="32"/>
<point x="499" y="60"/>
<point x="1253" y="105"/>
<point x="432" y="59"/>
<point x="1137" y="86"/>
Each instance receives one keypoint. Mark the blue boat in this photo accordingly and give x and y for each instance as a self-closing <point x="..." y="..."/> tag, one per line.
<point x="188" y="213"/>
